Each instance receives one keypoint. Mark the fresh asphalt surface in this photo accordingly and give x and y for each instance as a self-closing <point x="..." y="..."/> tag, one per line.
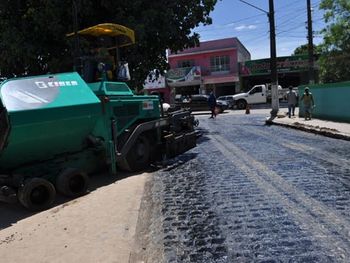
<point x="252" y="193"/>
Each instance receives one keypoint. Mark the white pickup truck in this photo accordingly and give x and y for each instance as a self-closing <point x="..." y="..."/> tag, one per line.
<point x="257" y="94"/>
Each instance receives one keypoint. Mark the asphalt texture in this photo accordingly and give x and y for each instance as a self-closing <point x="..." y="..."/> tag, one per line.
<point x="253" y="193"/>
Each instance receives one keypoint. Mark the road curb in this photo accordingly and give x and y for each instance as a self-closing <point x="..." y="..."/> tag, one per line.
<point x="321" y="131"/>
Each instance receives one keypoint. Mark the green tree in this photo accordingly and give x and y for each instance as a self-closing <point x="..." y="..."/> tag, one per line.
<point x="31" y="37"/>
<point x="303" y="50"/>
<point x="33" y="41"/>
<point x="335" y="59"/>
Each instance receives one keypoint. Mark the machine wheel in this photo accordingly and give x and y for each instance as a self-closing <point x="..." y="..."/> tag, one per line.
<point x="138" y="157"/>
<point x="36" y="194"/>
<point x="241" y="104"/>
<point x="72" y="183"/>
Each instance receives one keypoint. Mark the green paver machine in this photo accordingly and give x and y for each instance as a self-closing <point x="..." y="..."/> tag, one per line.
<point x="56" y="129"/>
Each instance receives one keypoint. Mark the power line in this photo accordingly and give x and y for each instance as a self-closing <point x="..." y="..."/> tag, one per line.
<point x="293" y="3"/>
<point x="301" y="37"/>
<point x="280" y="25"/>
<point x="254" y="6"/>
<point x="290" y="18"/>
<point x="229" y="23"/>
<point x="299" y="26"/>
<point x="291" y="36"/>
<point x="257" y="37"/>
<point x="291" y="29"/>
<point x="245" y="30"/>
<point x="288" y="27"/>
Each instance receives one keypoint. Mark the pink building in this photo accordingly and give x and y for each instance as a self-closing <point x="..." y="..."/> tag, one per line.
<point x="212" y="65"/>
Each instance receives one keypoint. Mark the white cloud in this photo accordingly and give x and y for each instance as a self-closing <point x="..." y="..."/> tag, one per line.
<point x="230" y="25"/>
<point x="245" y="27"/>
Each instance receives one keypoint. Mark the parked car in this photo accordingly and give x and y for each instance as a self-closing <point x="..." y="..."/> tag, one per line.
<point x="229" y="99"/>
<point x="199" y="102"/>
<point x="258" y="94"/>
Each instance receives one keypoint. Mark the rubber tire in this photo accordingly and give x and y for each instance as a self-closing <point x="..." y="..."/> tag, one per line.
<point x="36" y="194"/>
<point x="72" y="183"/>
<point x="241" y="104"/>
<point x="138" y="158"/>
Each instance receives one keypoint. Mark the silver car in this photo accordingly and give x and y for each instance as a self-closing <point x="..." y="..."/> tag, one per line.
<point x="229" y="99"/>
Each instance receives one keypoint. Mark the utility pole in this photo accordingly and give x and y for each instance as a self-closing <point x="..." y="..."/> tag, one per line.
<point x="76" y="37"/>
<point x="310" y="43"/>
<point x="273" y="63"/>
<point x="273" y="59"/>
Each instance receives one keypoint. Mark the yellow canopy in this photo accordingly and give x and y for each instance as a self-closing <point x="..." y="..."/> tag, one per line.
<point x="125" y="35"/>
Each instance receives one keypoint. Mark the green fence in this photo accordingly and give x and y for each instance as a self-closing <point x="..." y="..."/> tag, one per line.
<point x="332" y="101"/>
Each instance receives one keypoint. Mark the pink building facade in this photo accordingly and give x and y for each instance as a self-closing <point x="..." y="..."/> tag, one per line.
<point x="211" y="66"/>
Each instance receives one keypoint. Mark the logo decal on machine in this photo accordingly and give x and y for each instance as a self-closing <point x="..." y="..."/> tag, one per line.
<point x="31" y="93"/>
<point x="53" y="84"/>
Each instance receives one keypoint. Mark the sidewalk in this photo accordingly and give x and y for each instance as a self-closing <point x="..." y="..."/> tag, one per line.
<point x="97" y="227"/>
<point x="332" y="129"/>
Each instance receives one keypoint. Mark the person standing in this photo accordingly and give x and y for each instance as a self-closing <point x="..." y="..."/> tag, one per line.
<point x="292" y="99"/>
<point x="212" y="104"/>
<point x="308" y="101"/>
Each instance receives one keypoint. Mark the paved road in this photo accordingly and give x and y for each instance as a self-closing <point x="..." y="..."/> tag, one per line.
<point x="252" y="193"/>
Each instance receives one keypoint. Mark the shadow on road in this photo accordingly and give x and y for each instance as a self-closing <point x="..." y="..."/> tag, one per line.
<point x="178" y="161"/>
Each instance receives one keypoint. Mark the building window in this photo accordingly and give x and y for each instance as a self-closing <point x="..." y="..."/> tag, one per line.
<point x="185" y="63"/>
<point x="220" y="63"/>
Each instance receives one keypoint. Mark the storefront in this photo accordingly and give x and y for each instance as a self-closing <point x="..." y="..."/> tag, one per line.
<point x="184" y="81"/>
<point x="221" y="85"/>
<point x="155" y="84"/>
<point x="292" y="71"/>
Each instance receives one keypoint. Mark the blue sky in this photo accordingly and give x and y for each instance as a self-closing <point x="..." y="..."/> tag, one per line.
<point x="232" y="18"/>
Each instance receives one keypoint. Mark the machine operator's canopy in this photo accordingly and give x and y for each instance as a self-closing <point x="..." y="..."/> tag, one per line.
<point x="125" y="36"/>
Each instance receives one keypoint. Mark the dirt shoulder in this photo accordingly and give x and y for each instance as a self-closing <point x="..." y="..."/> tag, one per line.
<point x="148" y="240"/>
<point x="98" y="227"/>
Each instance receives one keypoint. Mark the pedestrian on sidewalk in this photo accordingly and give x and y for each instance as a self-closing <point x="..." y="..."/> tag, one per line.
<point x="292" y="99"/>
<point x="212" y="104"/>
<point x="308" y="101"/>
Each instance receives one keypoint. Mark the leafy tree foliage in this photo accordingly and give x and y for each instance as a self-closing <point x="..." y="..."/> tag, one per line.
<point x="31" y="37"/>
<point x="335" y="61"/>
<point x="303" y="50"/>
<point x="33" y="41"/>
